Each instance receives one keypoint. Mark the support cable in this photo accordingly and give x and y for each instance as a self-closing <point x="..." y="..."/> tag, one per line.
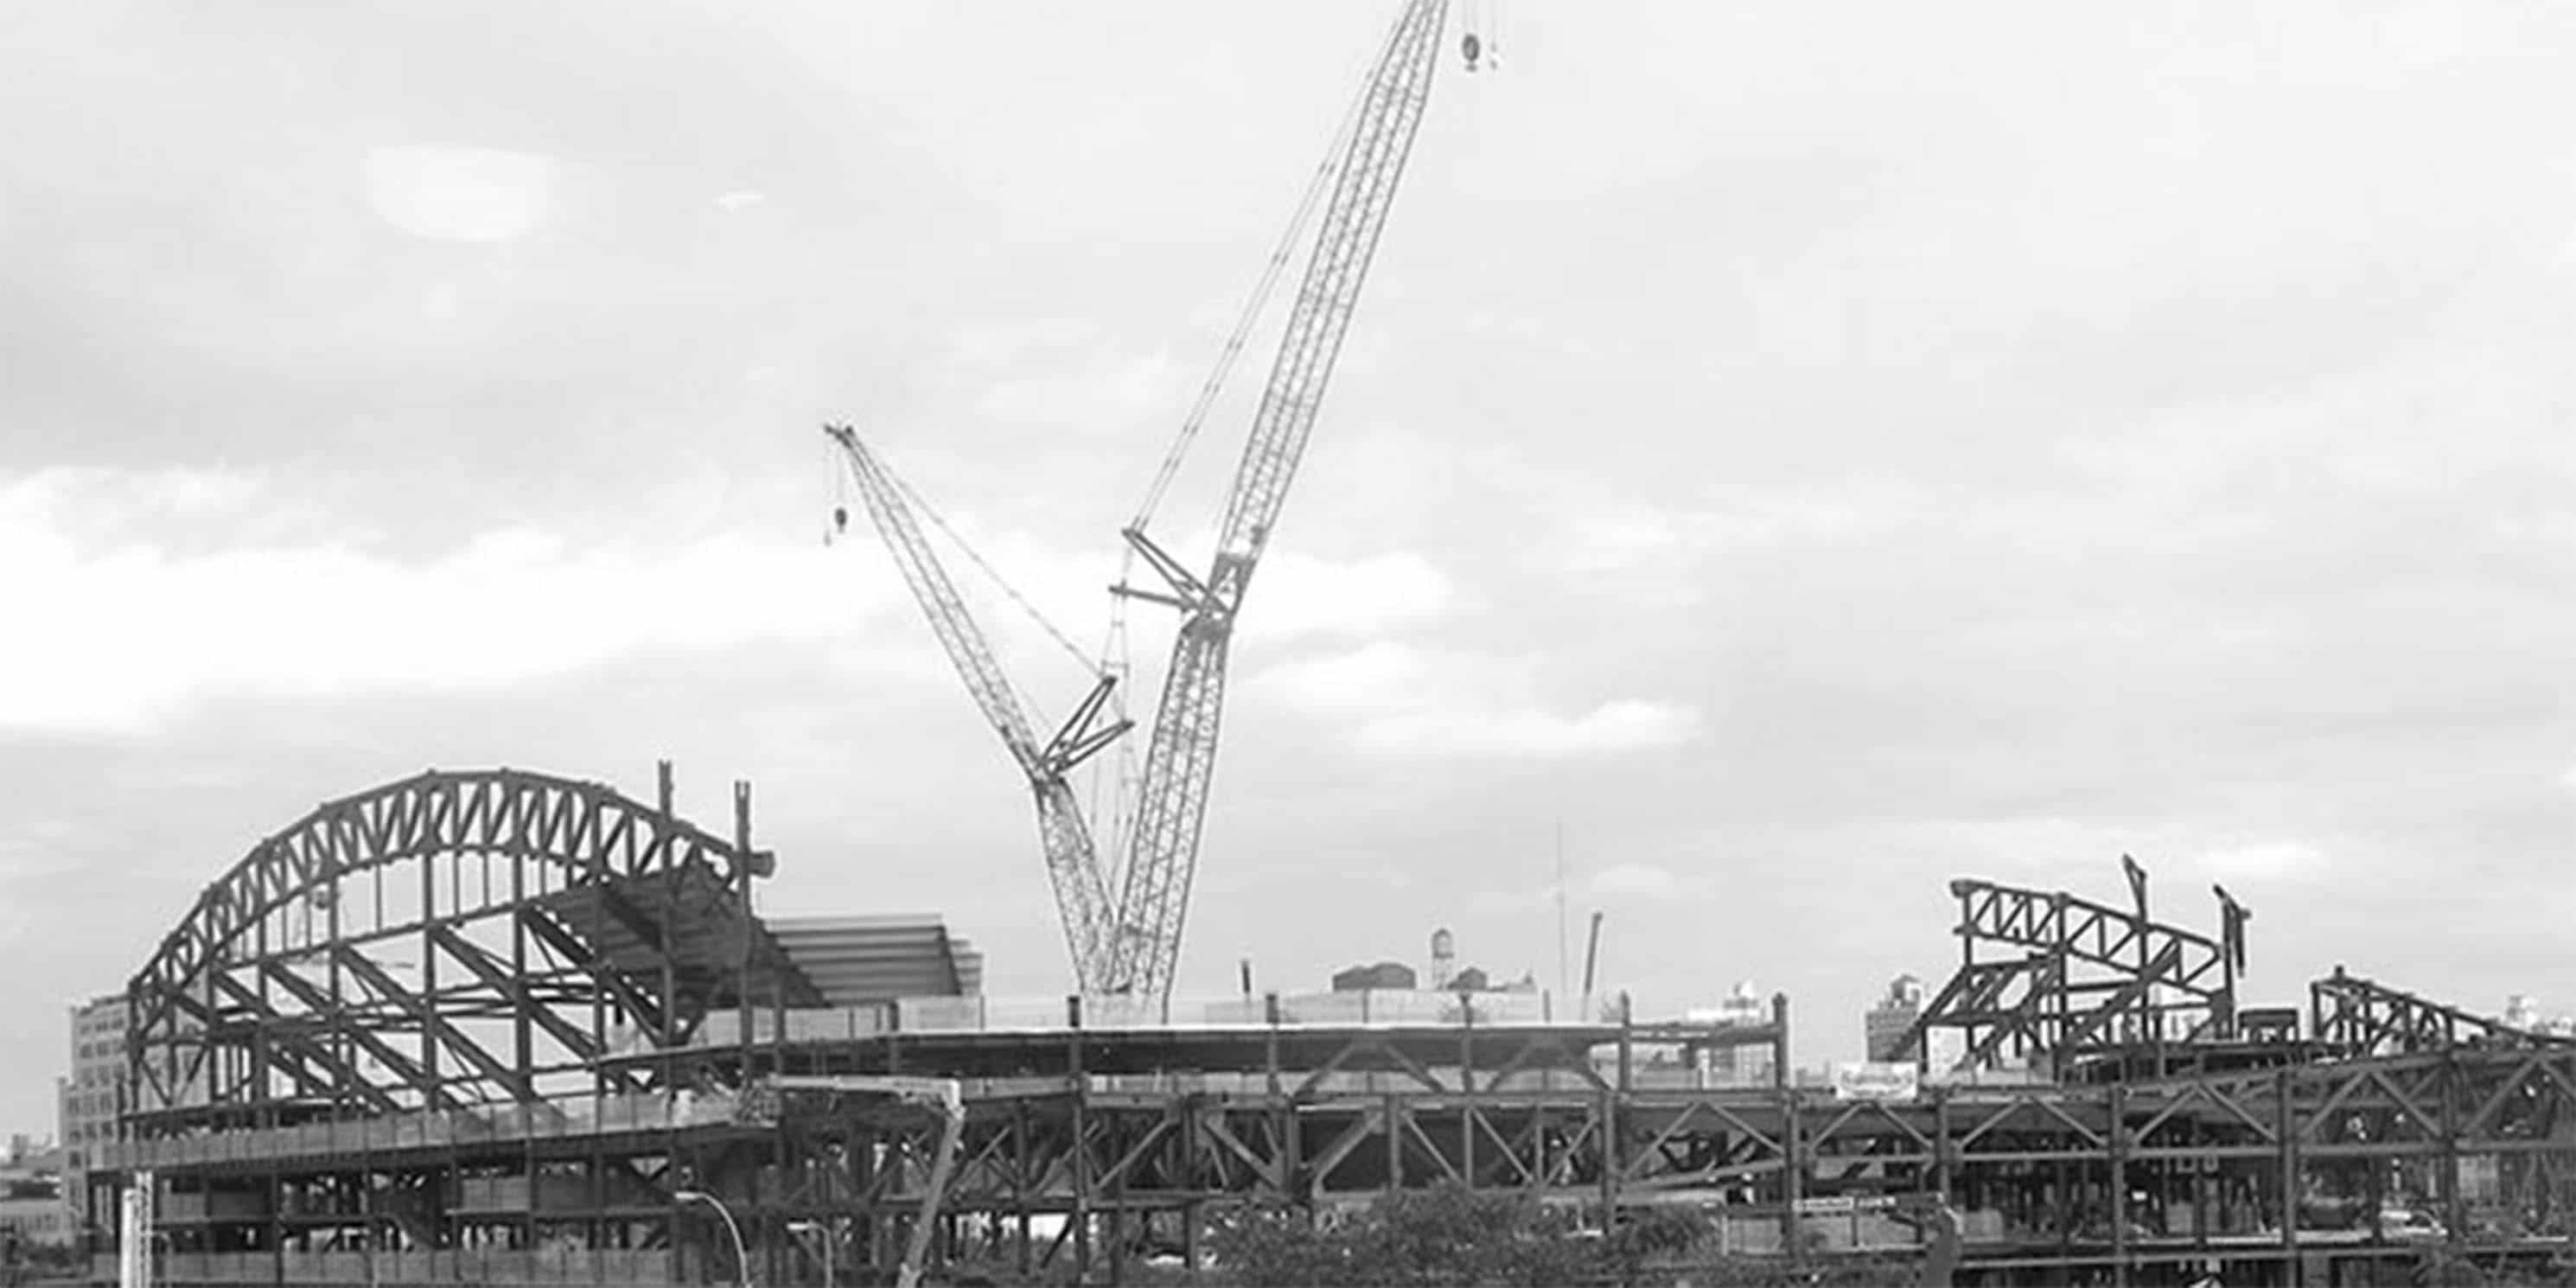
<point x="1114" y="658"/>
<point x="1289" y="243"/>
<point x="992" y="574"/>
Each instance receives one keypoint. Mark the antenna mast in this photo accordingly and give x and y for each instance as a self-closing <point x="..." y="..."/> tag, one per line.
<point x="1564" y="980"/>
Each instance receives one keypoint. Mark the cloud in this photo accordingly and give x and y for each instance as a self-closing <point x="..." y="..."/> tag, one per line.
<point x="1645" y="880"/>
<point x="1408" y="701"/>
<point x="458" y="193"/>
<point x="1302" y="596"/>
<point x="1612" y="727"/>
<point x="1296" y="597"/>
<point x="125" y="612"/>
<point x="1100" y="393"/>
<point x="2263" y="859"/>
<point x="1604" y="534"/>
<point x="1000" y="344"/>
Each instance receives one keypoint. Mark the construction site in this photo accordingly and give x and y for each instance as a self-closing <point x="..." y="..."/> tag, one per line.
<point x="503" y="1027"/>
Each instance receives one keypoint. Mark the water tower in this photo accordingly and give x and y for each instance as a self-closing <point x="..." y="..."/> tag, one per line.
<point x="1444" y="959"/>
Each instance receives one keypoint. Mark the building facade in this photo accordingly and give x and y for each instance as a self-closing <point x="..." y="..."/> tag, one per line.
<point x="1737" y="1066"/>
<point x="94" y="1093"/>
<point x="2522" y="1011"/>
<point x="32" y="1210"/>
<point x="37" y="1219"/>
<point x="1884" y="1025"/>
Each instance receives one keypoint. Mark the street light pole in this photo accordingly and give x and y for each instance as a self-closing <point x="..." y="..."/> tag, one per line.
<point x="824" y="1235"/>
<point x="741" y="1258"/>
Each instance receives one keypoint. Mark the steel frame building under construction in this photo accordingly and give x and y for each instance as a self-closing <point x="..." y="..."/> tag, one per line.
<point x="505" y="1028"/>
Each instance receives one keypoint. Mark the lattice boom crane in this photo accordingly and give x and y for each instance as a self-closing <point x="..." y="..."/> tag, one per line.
<point x="1081" y="893"/>
<point x="1172" y="793"/>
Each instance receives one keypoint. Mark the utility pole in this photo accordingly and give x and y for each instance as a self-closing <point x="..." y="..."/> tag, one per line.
<point x="822" y="1231"/>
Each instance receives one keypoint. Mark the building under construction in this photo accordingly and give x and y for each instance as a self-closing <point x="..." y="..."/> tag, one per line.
<point x="503" y="1028"/>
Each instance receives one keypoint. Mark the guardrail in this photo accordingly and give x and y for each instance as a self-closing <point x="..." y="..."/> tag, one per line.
<point x="1373" y="1008"/>
<point x="590" y="1115"/>
<point x="493" y="1267"/>
<point x="598" y="1115"/>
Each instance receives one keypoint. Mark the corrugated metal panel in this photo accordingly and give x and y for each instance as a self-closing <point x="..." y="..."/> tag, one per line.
<point x="861" y="959"/>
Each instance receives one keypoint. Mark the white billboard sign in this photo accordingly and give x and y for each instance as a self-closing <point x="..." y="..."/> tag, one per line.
<point x="1877" y="1080"/>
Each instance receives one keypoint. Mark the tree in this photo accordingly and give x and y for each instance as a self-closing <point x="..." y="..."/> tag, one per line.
<point x="1434" y="1238"/>
<point x="1452" y="1236"/>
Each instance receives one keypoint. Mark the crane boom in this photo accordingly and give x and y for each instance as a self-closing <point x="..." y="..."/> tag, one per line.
<point x="1073" y="866"/>
<point x="1180" y="763"/>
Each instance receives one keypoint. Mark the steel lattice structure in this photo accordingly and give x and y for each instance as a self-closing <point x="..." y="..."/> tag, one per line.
<point x="2359" y="1017"/>
<point x="1130" y="943"/>
<point x="1072" y="860"/>
<point x="2275" y="1174"/>
<point x="1180" y="761"/>
<point x="513" y="1078"/>
<point x="2079" y="975"/>
<point x="448" y="940"/>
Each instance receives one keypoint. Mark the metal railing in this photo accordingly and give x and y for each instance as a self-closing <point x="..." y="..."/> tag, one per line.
<point x="493" y="1267"/>
<point x="566" y="1116"/>
<point x="1373" y="1008"/>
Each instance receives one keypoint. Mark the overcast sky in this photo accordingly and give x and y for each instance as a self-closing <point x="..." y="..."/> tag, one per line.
<point x="1812" y="450"/>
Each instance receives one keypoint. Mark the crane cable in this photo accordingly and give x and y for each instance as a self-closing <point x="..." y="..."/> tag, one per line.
<point x="838" y="469"/>
<point x="1114" y="658"/>
<point x="922" y="507"/>
<point x="1271" y="272"/>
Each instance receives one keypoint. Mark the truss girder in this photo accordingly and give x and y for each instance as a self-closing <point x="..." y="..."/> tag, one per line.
<point x="396" y="947"/>
<point x="628" y="995"/>
<point x="318" y="1001"/>
<point x="2098" y="935"/>
<point x="299" y="1041"/>
<point x="1170" y="1160"/>
<point x="1145" y="1151"/>
<point x="2075" y="975"/>
<point x="436" y="1035"/>
<point x="2353" y="1016"/>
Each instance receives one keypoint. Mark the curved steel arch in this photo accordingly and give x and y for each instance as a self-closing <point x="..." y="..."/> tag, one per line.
<point x="445" y="940"/>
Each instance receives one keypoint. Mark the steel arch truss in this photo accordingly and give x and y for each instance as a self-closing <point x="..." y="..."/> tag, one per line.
<point x="2353" y="1016"/>
<point x="447" y="940"/>
<point x="2078" y="975"/>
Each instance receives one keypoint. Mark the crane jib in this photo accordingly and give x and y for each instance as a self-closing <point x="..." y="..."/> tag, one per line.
<point x="1131" y="943"/>
<point x="1073" y="864"/>
<point x="1162" y="859"/>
